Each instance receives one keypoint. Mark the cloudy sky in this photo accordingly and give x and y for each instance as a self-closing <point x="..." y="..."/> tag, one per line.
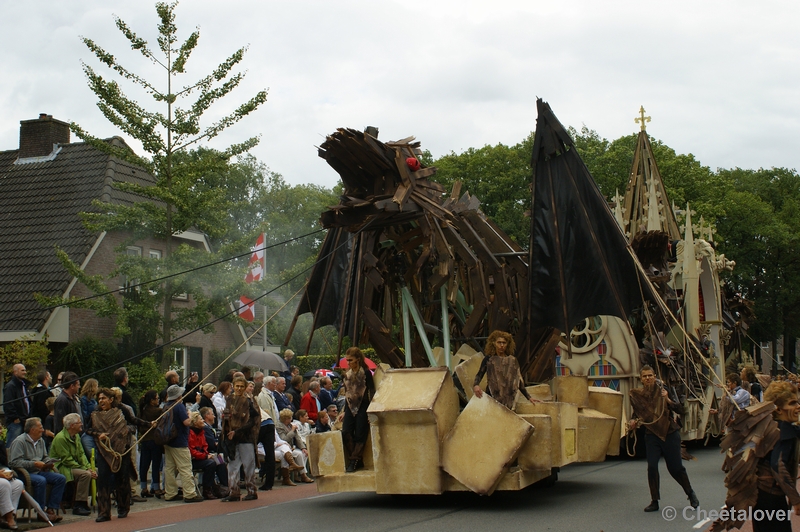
<point x="719" y="78"/>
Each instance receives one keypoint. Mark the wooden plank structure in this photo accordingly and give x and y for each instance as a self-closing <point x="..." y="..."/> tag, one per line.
<point x="395" y="229"/>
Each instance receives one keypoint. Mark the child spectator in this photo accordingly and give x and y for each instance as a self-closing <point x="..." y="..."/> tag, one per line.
<point x="323" y="423"/>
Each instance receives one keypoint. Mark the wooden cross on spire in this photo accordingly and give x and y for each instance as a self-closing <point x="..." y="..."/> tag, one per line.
<point x="642" y="119"/>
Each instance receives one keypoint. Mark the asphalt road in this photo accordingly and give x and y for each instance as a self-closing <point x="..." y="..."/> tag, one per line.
<point x="605" y="497"/>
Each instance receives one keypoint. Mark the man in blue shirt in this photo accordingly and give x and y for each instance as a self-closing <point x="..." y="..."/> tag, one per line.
<point x="176" y="451"/>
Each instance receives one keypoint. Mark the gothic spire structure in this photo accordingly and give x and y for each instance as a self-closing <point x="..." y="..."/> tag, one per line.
<point x="646" y="206"/>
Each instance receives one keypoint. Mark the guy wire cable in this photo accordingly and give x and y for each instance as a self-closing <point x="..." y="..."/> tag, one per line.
<point x="159" y="279"/>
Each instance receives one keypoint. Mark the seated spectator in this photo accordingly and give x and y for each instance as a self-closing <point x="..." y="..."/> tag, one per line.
<point x="203" y="460"/>
<point x="281" y="400"/>
<point x="212" y="440"/>
<point x="310" y="402"/>
<point x="304" y="427"/>
<point x="289" y="435"/>
<point x="323" y="423"/>
<point x="28" y="452"/>
<point x="49" y="422"/>
<point x="284" y="453"/>
<point x="67" y="448"/>
<point x="325" y="392"/>
<point x="10" y="491"/>
<point x="207" y="399"/>
<point x="333" y="415"/>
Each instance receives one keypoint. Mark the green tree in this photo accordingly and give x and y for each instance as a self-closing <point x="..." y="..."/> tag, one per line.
<point x="500" y="177"/>
<point x="177" y="200"/>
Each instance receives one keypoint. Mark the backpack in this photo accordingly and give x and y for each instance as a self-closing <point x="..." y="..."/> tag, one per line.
<point x="165" y="430"/>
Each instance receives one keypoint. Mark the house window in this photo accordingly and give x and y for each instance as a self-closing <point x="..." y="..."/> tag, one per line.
<point x="188" y="360"/>
<point x="131" y="251"/>
<point x="155" y="253"/>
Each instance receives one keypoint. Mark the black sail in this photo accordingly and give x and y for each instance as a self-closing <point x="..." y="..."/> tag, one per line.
<point x="580" y="265"/>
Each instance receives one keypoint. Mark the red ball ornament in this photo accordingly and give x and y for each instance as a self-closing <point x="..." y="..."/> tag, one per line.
<point x="413" y="164"/>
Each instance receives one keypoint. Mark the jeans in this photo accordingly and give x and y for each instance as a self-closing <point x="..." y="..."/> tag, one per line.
<point x="14" y="430"/>
<point x="39" y="482"/>
<point x="150" y="454"/>
<point x="88" y="445"/>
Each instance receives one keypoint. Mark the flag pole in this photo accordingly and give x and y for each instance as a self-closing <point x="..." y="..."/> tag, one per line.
<point x="263" y="276"/>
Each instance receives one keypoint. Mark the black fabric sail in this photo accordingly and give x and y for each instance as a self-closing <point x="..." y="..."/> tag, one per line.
<point x="580" y="265"/>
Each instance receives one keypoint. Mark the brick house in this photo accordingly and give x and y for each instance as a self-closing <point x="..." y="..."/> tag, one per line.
<point x="43" y="186"/>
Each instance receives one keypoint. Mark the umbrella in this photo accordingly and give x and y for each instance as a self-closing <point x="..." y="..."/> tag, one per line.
<point x="369" y="363"/>
<point x="35" y="506"/>
<point x="262" y="359"/>
<point x="323" y="373"/>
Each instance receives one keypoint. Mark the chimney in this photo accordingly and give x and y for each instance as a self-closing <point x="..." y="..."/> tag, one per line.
<point x="36" y="137"/>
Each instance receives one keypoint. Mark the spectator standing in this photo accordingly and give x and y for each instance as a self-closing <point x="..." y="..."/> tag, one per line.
<point x="172" y="379"/>
<point x="68" y="450"/>
<point x="121" y="380"/>
<point x="18" y="403"/>
<point x="178" y="460"/>
<point x="219" y="399"/>
<point x="49" y="423"/>
<point x="88" y="406"/>
<point x="151" y="454"/>
<point x="266" y="433"/>
<point x="28" y="452"/>
<point x="67" y="402"/>
<point x="293" y="389"/>
<point x="56" y="390"/>
<point x="40" y="394"/>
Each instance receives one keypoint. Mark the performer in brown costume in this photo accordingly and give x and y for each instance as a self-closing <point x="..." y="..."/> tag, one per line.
<point x="502" y="371"/>
<point x="651" y="409"/>
<point x="761" y="455"/>
<point x="359" y="388"/>
<point x="109" y="426"/>
<point x="240" y="425"/>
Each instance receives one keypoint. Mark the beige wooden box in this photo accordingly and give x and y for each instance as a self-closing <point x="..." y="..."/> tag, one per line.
<point x="572" y="389"/>
<point x="595" y="430"/>
<point x="537" y="453"/>
<point x="409" y="416"/>
<point x="466" y="372"/>
<point x="564" y="429"/>
<point x="609" y="402"/>
<point x="486" y="438"/>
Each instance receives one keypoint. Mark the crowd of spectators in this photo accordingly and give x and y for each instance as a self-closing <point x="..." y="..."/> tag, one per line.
<point x="66" y="436"/>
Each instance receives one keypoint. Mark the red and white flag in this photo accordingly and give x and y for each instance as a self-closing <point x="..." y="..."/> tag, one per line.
<point x="246" y="309"/>
<point x="256" y="265"/>
<point x="255" y="271"/>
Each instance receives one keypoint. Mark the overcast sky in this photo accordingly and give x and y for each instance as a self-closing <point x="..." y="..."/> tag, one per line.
<point x="719" y="78"/>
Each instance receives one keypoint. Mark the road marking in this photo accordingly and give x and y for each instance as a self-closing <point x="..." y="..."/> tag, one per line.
<point x="702" y="523"/>
<point x="157" y="527"/>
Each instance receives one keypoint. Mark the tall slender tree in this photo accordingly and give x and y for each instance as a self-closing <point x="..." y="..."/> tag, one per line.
<point x="165" y="130"/>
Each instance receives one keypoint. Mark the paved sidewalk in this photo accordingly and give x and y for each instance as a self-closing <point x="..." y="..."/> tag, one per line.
<point x="157" y="512"/>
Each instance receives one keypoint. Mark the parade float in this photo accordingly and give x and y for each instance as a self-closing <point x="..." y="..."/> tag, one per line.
<point x="423" y="276"/>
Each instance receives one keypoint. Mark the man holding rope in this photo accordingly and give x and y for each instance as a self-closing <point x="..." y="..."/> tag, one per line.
<point x="651" y="409"/>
